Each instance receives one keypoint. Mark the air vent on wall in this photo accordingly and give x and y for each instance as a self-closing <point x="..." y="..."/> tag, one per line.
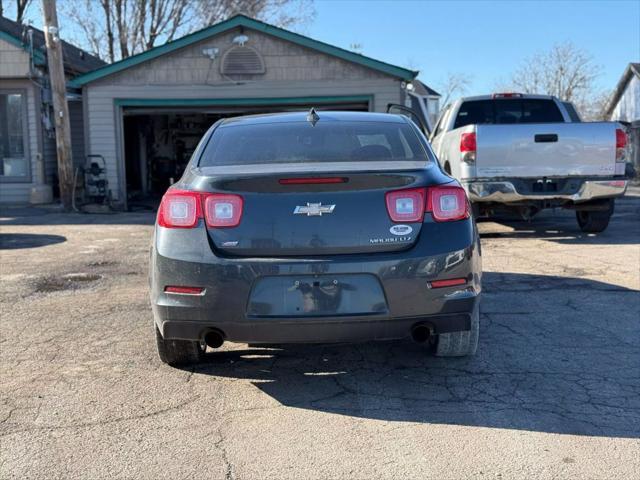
<point x="242" y="60"/>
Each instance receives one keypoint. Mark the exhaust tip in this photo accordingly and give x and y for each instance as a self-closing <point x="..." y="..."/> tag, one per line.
<point x="420" y="333"/>
<point x="214" y="338"/>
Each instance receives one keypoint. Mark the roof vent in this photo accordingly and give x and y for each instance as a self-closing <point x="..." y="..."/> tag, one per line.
<point x="242" y="60"/>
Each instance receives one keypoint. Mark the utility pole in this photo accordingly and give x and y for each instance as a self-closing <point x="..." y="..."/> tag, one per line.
<point x="60" y="106"/>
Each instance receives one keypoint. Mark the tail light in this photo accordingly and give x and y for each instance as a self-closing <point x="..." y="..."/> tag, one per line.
<point x="222" y="210"/>
<point x="406" y="205"/>
<point x="621" y="145"/>
<point x="179" y="209"/>
<point x="184" y="208"/>
<point x="468" y="147"/>
<point x="447" y="203"/>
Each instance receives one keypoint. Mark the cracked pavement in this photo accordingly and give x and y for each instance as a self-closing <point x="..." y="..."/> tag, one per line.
<point x="554" y="391"/>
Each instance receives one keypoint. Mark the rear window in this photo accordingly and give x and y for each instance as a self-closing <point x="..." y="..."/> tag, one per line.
<point x="301" y="142"/>
<point x="508" y="111"/>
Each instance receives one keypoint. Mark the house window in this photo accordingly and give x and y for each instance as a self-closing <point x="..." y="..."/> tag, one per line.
<point x="14" y="162"/>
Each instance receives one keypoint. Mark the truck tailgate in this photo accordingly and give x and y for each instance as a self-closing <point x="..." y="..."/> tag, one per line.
<point x="546" y="150"/>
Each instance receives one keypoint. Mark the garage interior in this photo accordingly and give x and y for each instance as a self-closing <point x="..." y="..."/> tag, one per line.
<point x="158" y="142"/>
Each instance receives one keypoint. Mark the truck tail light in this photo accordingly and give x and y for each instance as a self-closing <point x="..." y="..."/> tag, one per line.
<point x="406" y="205"/>
<point x="222" y="210"/>
<point x="179" y="209"/>
<point x="621" y="145"/>
<point x="184" y="208"/>
<point x="447" y="204"/>
<point x="506" y="95"/>
<point x="468" y="147"/>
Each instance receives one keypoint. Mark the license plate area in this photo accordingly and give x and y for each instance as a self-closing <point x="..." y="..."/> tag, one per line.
<point x="316" y="296"/>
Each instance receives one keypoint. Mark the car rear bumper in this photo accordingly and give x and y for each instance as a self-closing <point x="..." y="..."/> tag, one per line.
<point x="512" y="191"/>
<point x="230" y="293"/>
<point x="320" y="330"/>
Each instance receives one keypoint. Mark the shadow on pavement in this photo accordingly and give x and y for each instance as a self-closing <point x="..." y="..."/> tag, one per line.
<point x="41" y="216"/>
<point x="561" y="227"/>
<point x="556" y="355"/>
<point x="11" y="241"/>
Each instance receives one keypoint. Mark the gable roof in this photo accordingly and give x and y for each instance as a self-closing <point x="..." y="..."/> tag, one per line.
<point x="76" y="60"/>
<point x="422" y="88"/>
<point x="243" y="21"/>
<point x="632" y="69"/>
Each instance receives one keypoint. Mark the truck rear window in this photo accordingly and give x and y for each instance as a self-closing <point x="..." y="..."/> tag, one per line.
<point x="508" y="111"/>
<point x="301" y="142"/>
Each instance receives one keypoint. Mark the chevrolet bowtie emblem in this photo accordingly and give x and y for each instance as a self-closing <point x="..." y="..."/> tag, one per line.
<point x="313" y="209"/>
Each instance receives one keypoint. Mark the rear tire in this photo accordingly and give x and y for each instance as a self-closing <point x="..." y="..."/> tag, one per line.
<point x="595" y="221"/>
<point x="460" y="344"/>
<point x="178" y="353"/>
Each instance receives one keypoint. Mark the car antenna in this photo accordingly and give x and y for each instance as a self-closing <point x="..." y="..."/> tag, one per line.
<point x="313" y="117"/>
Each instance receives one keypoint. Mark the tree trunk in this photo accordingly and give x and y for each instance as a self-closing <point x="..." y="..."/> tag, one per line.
<point x="106" y="6"/>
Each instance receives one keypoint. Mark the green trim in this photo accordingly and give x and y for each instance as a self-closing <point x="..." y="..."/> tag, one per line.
<point x="38" y="56"/>
<point x="242" y="21"/>
<point x="236" y="102"/>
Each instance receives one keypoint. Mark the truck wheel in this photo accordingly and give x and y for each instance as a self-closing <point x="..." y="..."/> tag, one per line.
<point x="460" y="344"/>
<point x="595" y="221"/>
<point x="178" y="353"/>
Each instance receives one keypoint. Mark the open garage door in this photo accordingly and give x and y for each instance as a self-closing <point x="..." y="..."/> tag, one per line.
<point x="159" y="140"/>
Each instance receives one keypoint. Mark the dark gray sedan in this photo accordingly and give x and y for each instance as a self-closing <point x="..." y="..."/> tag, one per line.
<point x="318" y="227"/>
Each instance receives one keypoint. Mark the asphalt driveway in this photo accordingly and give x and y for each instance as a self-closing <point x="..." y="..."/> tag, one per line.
<point x="554" y="391"/>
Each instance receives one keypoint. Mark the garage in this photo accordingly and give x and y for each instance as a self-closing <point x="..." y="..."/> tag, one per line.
<point x="159" y="141"/>
<point x="145" y="114"/>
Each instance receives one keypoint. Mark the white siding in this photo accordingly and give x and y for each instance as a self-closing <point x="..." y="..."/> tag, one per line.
<point x="628" y="107"/>
<point x="14" y="61"/>
<point x="19" y="192"/>
<point x="284" y="61"/>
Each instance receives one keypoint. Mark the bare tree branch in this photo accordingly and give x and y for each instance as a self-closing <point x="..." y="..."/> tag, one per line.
<point x="116" y="29"/>
<point x="283" y="13"/>
<point x="566" y="72"/>
<point x="91" y="32"/>
<point x="595" y="109"/>
<point x="455" y="84"/>
<point x="21" y="9"/>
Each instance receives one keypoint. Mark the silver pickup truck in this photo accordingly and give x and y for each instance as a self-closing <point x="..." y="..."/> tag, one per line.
<point x="524" y="153"/>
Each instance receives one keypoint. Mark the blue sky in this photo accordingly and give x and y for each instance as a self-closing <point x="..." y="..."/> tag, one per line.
<point x="486" y="39"/>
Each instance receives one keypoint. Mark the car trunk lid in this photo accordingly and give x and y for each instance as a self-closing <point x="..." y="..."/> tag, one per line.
<point x="288" y="214"/>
